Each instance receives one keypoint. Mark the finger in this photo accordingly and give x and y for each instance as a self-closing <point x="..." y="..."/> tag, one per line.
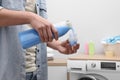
<point x="64" y="43"/>
<point x="40" y="32"/>
<point x="63" y="50"/>
<point x="45" y="34"/>
<point x="75" y="48"/>
<point x="55" y="32"/>
<point x="66" y="51"/>
<point x="69" y="49"/>
<point x="50" y="35"/>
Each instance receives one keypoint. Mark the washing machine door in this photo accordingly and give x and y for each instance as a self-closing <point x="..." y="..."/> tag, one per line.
<point x="87" y="77"/>
<point x="92" y="77"/>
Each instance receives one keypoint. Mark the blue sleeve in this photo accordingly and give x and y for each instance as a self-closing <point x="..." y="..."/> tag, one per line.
<point x="41" y="8"/>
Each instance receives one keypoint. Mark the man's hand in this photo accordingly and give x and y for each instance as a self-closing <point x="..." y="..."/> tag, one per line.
<point x="64" y="47"/>
<point x="44" y="28"/>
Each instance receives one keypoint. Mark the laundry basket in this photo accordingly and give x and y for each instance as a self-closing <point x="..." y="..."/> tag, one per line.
<point x="112" y="48"/>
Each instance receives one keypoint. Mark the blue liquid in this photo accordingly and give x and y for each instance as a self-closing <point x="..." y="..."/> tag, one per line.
<point x="30" y="37"/>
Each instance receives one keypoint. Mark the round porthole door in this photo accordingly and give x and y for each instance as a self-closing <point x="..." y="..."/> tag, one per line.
<point x="92" y="77"/>
<point x="87" y="77"/>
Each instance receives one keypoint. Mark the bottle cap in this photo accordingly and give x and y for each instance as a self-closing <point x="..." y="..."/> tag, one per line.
<point x="64" y="23"/>
<point x="68" y="23"/>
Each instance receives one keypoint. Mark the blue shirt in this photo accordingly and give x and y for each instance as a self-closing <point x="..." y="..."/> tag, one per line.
<point x="12" y="57"/>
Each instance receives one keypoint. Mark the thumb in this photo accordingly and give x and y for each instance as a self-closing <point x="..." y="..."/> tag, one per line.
<point x="64" y="43"/>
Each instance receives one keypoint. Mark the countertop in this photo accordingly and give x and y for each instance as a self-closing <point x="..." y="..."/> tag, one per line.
<point x="95" y="57"/>
<point x="58" y="62"/>
<point x="63" y="61"/>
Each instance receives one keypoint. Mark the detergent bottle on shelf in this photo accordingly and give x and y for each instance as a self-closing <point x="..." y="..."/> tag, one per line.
<point x="30" y="37"/>
<point x="91" y="48"/>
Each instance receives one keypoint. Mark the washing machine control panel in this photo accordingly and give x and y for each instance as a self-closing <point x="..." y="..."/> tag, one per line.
<point x="76" y="66"/>
<point x="93" y="65"/>
<point x="103" y="65"/>
<point x="108" y="65"/>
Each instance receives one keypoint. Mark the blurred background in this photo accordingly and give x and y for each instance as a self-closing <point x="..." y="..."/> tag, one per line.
<point x="93" y="20"/>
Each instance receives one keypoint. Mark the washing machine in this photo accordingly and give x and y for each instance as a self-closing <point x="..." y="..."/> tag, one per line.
<point x="93" y="70"/>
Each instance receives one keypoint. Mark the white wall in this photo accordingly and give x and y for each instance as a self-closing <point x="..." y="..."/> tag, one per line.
<point x="92" y="19"/>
